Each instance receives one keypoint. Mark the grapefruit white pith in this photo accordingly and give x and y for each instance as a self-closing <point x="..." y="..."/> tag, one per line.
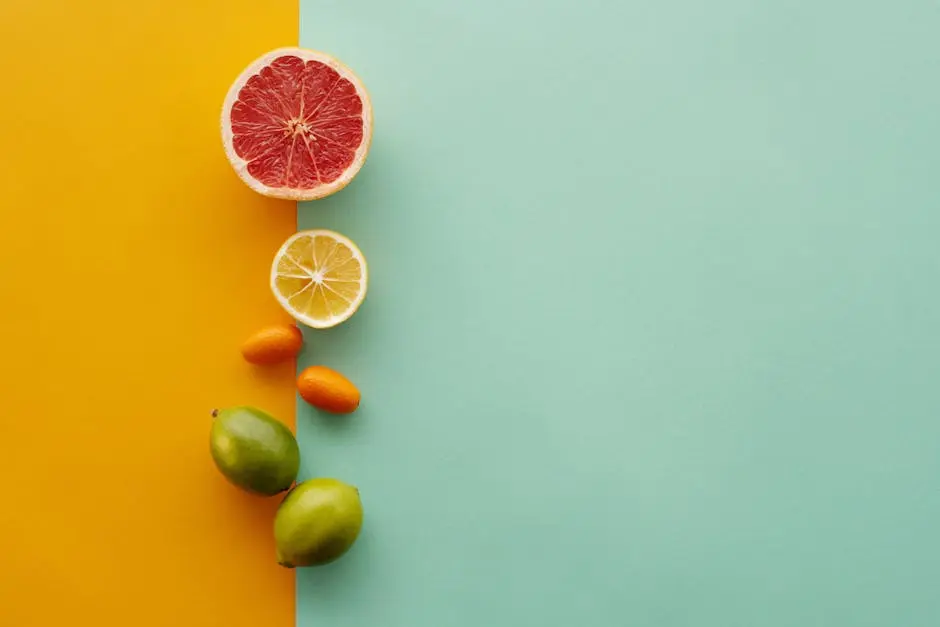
<point x="297" y="124"/>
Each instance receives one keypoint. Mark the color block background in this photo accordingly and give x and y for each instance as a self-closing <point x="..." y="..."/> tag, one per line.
<point x="132" y="262"/>
<point x="677" y="368"/>
<point x="651" y="336"/>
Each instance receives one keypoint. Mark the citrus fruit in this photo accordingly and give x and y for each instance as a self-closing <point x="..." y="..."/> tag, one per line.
<point x="319" y="277"/>
<point x="273" y="344"/>
<point x="253" y="450"/>
<point x="297" y="124"/>
<point x="328" y="390"/>
<point x="317" y="523"/>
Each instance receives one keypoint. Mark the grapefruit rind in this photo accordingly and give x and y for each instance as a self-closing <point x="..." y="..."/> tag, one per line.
<point x="241" y="165"/>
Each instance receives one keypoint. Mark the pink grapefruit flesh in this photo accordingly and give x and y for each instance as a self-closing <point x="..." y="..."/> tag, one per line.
<point x="297" y="124"/>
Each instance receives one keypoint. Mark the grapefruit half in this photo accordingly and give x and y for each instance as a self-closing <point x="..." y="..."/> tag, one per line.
<point x="297" y="124"/>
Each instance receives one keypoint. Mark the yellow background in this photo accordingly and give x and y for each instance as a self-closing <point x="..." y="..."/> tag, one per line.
<point x="133" y="263"/>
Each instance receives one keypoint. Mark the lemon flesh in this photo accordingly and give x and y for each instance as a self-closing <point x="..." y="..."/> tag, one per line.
<point x="319" y="277"/>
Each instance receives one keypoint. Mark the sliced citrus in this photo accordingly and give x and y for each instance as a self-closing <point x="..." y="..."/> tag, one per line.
<point x="297" y="124"/>
<point x="319" y="277"/>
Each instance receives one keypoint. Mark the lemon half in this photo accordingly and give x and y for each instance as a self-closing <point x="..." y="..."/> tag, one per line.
<point x="319" y="277"/>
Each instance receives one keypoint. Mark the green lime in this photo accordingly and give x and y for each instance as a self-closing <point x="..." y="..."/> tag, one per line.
<point x="254" y="451"/>
<point x="318" y="521"/>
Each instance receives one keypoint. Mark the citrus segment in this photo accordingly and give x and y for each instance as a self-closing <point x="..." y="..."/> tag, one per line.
<point x="297" y="124"/>
<point x="319" y="277"/>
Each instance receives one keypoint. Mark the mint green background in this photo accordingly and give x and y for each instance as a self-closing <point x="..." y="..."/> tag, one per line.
<point x="651" y="337"/>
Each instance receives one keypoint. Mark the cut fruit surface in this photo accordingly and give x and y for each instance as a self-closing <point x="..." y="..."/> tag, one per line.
<point x="319" y="277"/>
<point x="297" y="124"/>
